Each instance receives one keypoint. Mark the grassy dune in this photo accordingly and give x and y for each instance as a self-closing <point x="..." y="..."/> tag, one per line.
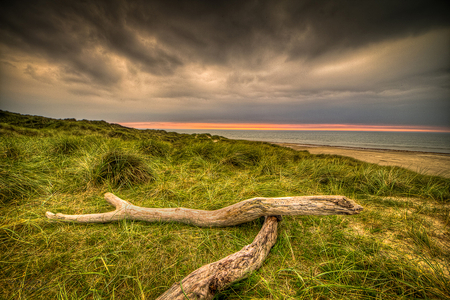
<point x="398" y="247"/>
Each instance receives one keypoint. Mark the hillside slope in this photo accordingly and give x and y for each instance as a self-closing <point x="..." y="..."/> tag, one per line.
<point x="398" y="247"/>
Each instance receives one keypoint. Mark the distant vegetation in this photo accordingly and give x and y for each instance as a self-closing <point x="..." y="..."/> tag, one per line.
<point x="398" y="247"/>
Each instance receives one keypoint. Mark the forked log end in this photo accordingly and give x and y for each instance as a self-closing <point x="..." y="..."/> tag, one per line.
<point x="116" y="201"/>
<point x="50" y="215"/>
<point x="210" y="279"/>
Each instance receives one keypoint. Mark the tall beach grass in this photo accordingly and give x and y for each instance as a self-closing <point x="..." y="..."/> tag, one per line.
<point x="397" y="248"/>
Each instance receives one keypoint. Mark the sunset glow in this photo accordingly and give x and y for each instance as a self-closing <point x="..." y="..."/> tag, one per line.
<point x="257" y="126"/>
<point x="291" y="65"/>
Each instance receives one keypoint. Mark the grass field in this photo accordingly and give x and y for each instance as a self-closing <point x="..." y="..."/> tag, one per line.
<point x="398" y="247"/>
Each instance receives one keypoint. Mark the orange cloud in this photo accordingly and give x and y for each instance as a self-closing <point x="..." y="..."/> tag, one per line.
<point x="259" y="126"/>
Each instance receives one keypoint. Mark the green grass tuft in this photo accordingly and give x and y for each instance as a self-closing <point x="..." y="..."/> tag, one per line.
<point x="242" y="156"/>
<point x="155" y="148"/>
<point x="18" y="184"/>
<point x="65" y="145"/>
<point x="9" y="150"/>
<point x="121" y="169"/>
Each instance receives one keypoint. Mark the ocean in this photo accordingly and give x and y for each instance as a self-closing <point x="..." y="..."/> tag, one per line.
<point x="436" y="142"/>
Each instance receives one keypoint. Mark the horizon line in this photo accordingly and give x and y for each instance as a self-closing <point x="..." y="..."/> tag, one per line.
<point x="295" y="127"/>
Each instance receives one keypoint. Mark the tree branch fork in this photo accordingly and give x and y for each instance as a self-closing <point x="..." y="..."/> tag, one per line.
<point x="207" y="280"/>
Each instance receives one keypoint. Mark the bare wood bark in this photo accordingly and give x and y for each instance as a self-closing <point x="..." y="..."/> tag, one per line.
<point x="235" y="214"/>
<point x="207" y="280"/>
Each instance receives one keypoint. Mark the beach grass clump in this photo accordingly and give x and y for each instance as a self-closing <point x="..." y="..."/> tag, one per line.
<point x="242" y="155"/>
<point x="336" y="174"/>
<point x="18" y="183"/>
<point x="120" y="169"/>
<point x="388" y="181"/>
<point x="205" y="149"/>
<point x="21" y="174"/>
<point x="9" y="150"/>
<point x="121" y="134"/>
<point x="11" y="130"/>
<point x="65" y="145"/>
<point x="268" y="166"/>
<point x="434" y="187"/>
<point x="195" y="149"/>
<point x="155" y="147"/>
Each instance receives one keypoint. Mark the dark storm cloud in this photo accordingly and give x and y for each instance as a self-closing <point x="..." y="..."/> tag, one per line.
<point x="78" y="35"/>
<point x="373" y="110"/>
<point x="205" y="31"/>
<point x="40" y="29"/>
<point x="220" y="30"/>
<point x="330" y="25"/>
<point x="230" y="61"/>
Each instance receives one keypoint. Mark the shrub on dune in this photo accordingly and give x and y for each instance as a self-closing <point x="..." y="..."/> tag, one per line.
<point x="18" y="184"/>
<point x="243" y="156"/>
<point x="155" y="148"/>
<point x="9" y="151"/>
<point x="65" y="146"/>
<point x="121" y="169"/>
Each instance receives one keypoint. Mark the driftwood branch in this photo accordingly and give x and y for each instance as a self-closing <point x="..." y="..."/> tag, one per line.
<point x="206" y="281"/>
<point x="235" y="214"/>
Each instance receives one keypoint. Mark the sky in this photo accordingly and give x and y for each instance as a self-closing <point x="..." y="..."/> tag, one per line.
<point x="260" y="64"/>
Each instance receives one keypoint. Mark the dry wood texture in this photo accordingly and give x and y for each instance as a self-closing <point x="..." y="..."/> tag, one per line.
<point x="206" y="281"/>
<point x="235" y="214"/>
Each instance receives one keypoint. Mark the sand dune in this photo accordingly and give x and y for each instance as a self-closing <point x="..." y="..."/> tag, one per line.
<point x="421" y="162"/>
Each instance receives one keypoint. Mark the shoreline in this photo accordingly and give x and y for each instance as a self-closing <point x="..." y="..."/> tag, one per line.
<point x="359" y="148"/>
<point x="428" y="163"/>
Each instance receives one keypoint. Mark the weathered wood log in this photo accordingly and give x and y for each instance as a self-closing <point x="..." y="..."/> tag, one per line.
<point x="206" y="281"/>
<point x="209" y="279"/>
<point x="235" y="214"/>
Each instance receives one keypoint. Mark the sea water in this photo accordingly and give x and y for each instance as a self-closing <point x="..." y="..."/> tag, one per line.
<point x="410" y="141"/>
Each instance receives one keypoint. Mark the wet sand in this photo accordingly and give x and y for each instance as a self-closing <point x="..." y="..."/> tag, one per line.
<point x="420" y="162"/>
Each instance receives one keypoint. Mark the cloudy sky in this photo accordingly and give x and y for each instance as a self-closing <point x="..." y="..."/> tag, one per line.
<point x="246" y="62"/>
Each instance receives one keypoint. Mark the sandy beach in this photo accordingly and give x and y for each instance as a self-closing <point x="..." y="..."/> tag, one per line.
<point x="421" y="162"/>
